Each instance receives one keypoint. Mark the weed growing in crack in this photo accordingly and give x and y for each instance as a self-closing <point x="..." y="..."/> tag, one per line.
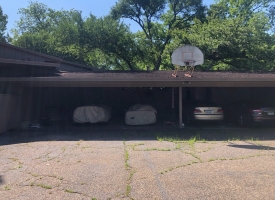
<point x="35" y="175"/>
<point x="195" y="156"/>
<point x="168" y="139"/>
<point x="7" y="187"/>
<point x="44" y="186"/>
<point x="126" y="159"/>
<point x="178" y="145"/>
<point x="63" y="149"/>
<point x="14" y="159"/>
<point x="135" y="145"/>
<point x="128" y="168"/>
<point x="69" y="191"/>
<point x="128" y="190"/>
<point x="192" y="141"/>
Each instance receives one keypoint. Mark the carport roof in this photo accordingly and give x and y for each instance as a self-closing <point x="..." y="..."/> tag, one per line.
<point x="149" y="79"/>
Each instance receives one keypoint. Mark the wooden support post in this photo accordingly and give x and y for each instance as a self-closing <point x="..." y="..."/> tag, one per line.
<point x="180" y="107"/>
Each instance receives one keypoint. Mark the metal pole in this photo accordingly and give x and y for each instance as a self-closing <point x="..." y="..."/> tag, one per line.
<point x="180" y="107"/>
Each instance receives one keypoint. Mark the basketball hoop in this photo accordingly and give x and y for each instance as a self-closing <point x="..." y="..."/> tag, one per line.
<point x="190" y="64"/>
<point x="187" y="56"/>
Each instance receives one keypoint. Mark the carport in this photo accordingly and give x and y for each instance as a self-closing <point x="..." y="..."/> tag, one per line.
<point x="27" y="78"/>
<point x="200" y="83"/>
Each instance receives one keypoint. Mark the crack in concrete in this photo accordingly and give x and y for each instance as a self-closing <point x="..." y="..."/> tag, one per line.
<point x="159" y="184"/>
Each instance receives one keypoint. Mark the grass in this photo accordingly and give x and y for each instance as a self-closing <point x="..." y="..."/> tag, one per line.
<point x="192" y="141"/>
<point x="7" y="187"/>
<point x="176" y="139"/>
<point x="35" y="175"/>
<point x="70" y="191"/>
<point x="178" y="145"/>
<point x="128" y="190"/>
<point x="128" y="167"/>
<point x="135" y="145"/>
<point x="126" y="159"/>
<point x="195" y="156"/>
<point x="44" y="186"/>
<point x="14" y="159"/>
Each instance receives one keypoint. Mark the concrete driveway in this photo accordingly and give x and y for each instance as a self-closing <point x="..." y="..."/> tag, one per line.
<point x="91" y="163"/>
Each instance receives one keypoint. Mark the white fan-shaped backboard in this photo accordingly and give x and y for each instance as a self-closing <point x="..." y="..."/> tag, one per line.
<point x="187" y="53"/>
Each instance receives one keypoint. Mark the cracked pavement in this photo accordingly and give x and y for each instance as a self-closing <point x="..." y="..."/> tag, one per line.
<point x="127" y="164"/>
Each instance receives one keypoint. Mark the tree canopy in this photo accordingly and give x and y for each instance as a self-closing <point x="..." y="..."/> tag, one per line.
<point x="157" y="19"/>
<point x="3" y="25"/>
<point x="233" y="34"/>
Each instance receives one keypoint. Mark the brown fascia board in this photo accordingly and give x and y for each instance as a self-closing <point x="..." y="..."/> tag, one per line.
<point x="116" y="82"/>
<point x="47" y="56"/>
<point x="30" y="51"/>
<point x="28" y="63"/>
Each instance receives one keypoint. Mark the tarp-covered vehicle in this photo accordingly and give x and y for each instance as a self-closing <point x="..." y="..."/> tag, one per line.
<point x="91" y="114"/>
<point x="139" y="114"/>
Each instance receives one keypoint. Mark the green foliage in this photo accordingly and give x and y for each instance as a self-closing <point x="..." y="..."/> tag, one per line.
<point x="3" y="24"/>
<point x="157" y="19"/>
<point x="114" y="39"/>
<point x="103" y="42"/>
<point x="233" y="34"/>
<point x="236" y="38"/>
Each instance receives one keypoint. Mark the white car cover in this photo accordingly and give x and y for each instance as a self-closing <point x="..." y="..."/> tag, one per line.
<point x="141" y="115"/>
<point x="92" y="114"/>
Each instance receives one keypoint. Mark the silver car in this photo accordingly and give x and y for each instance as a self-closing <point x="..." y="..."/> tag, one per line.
<point x="202" y="111"/>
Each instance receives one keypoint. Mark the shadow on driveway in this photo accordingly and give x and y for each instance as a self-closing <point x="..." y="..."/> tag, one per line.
<point x="252" y="146"/>
<point x="139" y="133"/>
<point x="1" y="180"/>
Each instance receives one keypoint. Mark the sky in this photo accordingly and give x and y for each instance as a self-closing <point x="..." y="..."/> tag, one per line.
<point x="98" y="8"/>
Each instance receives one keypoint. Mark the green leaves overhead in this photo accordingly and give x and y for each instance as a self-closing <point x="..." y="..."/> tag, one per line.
<point x="157" y="19"/>
<point x="3" y="24"/>
<point x="236" y="38"/>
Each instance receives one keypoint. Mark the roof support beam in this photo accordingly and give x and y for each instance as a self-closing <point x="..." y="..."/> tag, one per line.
<point x="180" y="107"/>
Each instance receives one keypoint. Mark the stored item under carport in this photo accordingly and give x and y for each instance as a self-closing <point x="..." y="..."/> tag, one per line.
<point x="92" y="114"/>
<point x="141" y="115"/>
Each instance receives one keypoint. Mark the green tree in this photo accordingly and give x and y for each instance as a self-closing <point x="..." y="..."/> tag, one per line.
<point x="34" y="18"/>
<point x="157" y="19"/>
<point x="236" y="35"/>
<point x="57" y="33"/>
<point x="3" y="25"/>
<point x="102" y="42"/>
<point x="114" y="39"/>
